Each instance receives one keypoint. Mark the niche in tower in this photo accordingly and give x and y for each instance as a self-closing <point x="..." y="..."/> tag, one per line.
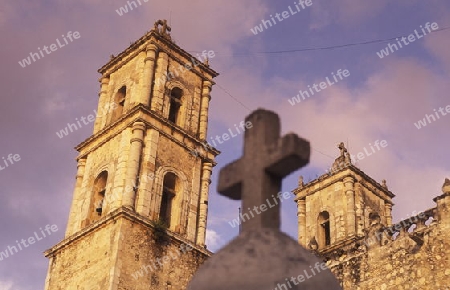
<point x="98" y="197"/>
<point x="323" y="231"/>
<point x="170" y="186"/>
<point x="175" y="105"/>
<point x="119" y="101"/>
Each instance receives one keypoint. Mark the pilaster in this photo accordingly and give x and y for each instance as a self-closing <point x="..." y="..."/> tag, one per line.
<point x="136" y="144"/>
<point x="203" y="214"/>
<point x="100" y="120"/>
<point x="147" y="175"/>
<point x="148" y="74"/>
<point x="71" y="227"/>
<point x="388" y="214"/>
<point x="301" y="215"/>
<point x="206" y="97"/>
<point x="160" y="82"/>
<point x="349" y="186"/>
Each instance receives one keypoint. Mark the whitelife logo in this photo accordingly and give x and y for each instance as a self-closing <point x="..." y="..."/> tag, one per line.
<point x="159" y="262"/>
<point x="206" y="56"/>
<point x="53" y="47"/>
<point x="301" y="278"/>
<point x="11" y="250"/>
<point x="411" y="38"/>
<point x="244" y="125"/>
<point x="301" y="5"/>
<point x="131" y="4"/>
<point x="302" y="95"/>
<point x="10" y="160"/>
<point x="256" y="210"/>
<point x="86" y="120"/>
<point x="431" y="118"/>
<point x="360" y="156"/>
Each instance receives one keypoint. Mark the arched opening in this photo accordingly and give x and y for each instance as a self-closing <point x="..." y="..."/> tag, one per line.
<point x="374" y="218"/>
<point x="98" y="196"/>
<point x="175" y="104"/>
<point x="324" y="233"/>
<point x="170" y="186"/>
<point x="119" y="101"/>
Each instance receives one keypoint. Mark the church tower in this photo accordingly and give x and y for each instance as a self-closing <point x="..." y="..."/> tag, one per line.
<point x="338" y="209"/>
<point x="139" y="209"/>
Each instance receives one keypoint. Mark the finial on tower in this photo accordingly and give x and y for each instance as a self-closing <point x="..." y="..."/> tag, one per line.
<point x="343" y="160"/>
<point x="446" y="186"/>
<point x="341" y="147"/>
<point x="162" y="28"/>
<point x="384" y="184"/>
<point x="300" y="181"/>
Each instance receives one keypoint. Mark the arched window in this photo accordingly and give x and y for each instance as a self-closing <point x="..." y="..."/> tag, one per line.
<point x="170" y="185"/>
<point x="324" y="234"/>
<point x="98" y="196"/>
<point x="119" y="101"/>
<point x="175" y="104"/>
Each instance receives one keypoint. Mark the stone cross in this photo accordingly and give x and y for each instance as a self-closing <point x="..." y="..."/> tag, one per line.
<point x="342" y="148"/>
<point x="256" y="177"/>
<point x="164" y="25"/>
<point x="262" y="257"/>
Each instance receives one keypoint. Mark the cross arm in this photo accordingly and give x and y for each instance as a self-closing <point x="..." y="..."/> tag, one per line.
<point x="230" y="180"/>
<point x="287" y="155"/>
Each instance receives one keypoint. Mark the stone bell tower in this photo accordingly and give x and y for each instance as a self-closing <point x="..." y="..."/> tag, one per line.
<point x="139" y="209"/>
<point x="337" y="209"/>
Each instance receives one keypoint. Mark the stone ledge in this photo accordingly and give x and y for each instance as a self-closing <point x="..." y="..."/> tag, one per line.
<point x="113" y="216"/>
<point x="338" y="176"/>
<point x="139" y="113"/>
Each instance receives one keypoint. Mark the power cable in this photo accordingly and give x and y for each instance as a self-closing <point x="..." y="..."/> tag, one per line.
<point x="326" y="47"/>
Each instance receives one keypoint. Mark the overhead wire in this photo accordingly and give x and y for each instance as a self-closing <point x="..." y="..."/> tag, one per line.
<point x="313" y="49"/>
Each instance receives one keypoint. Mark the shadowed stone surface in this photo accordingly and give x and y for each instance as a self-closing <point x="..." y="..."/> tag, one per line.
<point x="262" y="257"/>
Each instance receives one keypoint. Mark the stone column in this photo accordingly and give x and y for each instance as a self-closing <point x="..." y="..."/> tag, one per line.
<point x="301" y="214"/>
<point x="160" y="82"/>
<point x="203" y="209"/>
<point x="388" y="213"/>
<point x="103" y="108"/>
<point x="349" y="186"/>
<point x="74" y="212"/>
<point x="148" y="74"/>
<point x="147" y="175"/>
<point x="359" y="209"/>
<point x="136" y="144"/>
<point x="206" y="97"/>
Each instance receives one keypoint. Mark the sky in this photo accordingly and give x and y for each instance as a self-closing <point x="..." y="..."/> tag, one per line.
<point x="382" y="97"/>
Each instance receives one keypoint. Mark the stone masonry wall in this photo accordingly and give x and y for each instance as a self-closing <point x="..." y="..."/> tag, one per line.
<point x="85" y="264"/>
<point x="150" y="262"/>
<point x="124" y="253"/>
<point x="419" y="259"/>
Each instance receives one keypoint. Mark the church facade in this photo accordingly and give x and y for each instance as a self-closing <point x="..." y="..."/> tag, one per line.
<point x="139" y="209"/>
<point x="345" y="217"/>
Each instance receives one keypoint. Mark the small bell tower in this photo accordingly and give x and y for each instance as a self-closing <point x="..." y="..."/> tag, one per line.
<point x="141" y="195"/>
<point x="336" y="209"/>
